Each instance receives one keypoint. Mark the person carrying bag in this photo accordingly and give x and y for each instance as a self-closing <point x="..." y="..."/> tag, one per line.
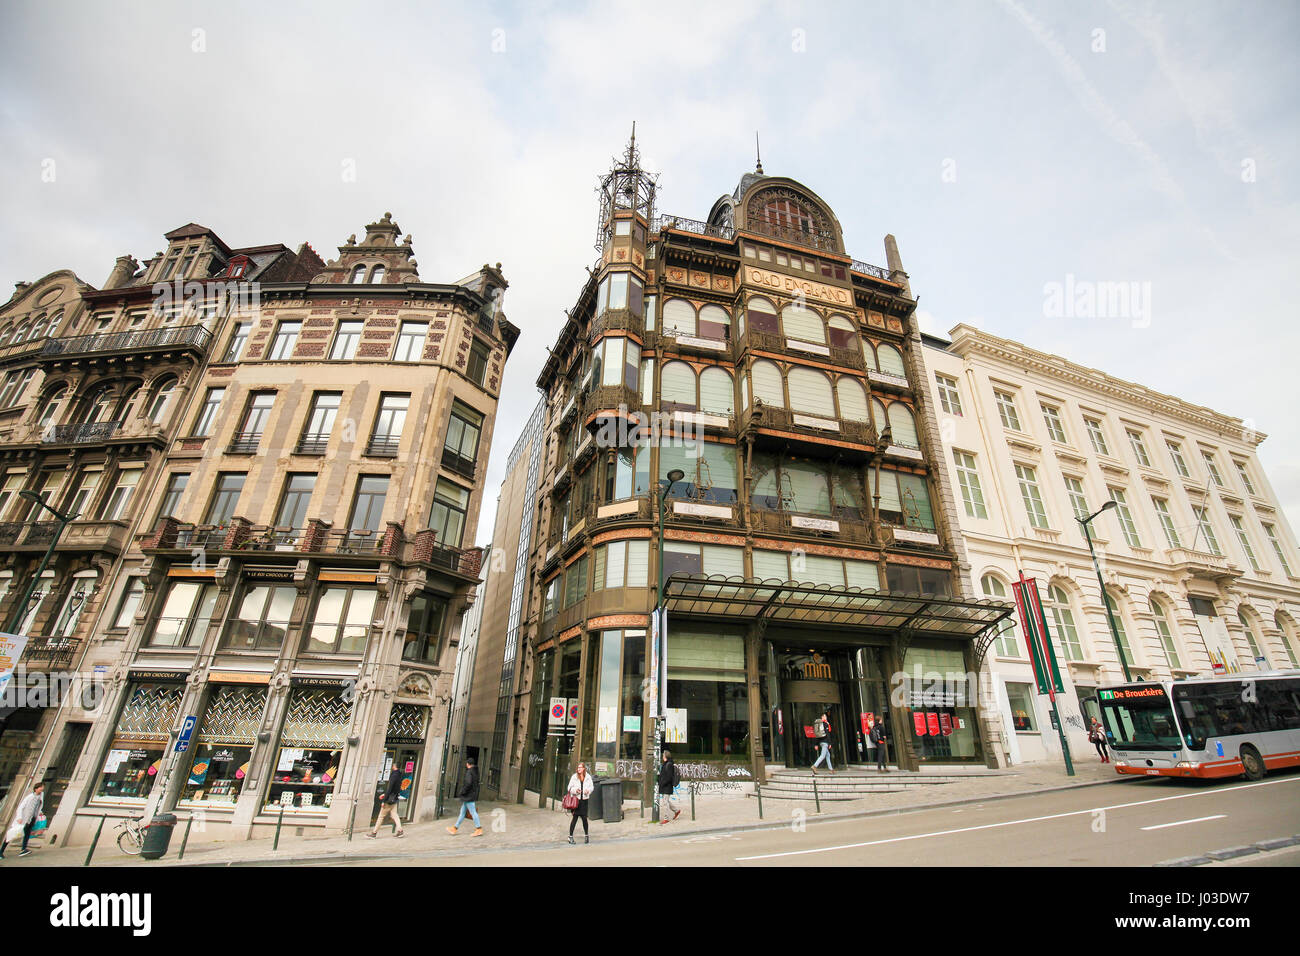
<point x="576" y="795"/>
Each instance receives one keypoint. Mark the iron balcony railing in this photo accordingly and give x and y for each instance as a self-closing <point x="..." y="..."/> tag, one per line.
<point x="79" y="434"/>
<point x="184" y="335"/>
<point x="53" y="653"/>
<point x="314" y="444"/>
<point x="245" y="444"/>
<point x="661" y="223"/>
<point x="458" y="463"/>
<point x="382" y="447"/>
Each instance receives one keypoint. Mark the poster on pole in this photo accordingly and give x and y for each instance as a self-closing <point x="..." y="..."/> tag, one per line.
<point x="675" y="725"/>
<point x="1037" y="638"/>
<point x="11" y="651"/>
<point x="663" y="661"/>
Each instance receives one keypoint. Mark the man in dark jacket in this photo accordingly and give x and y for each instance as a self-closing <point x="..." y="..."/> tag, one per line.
<point x="388" y="805"/>
<point x="878" y="738"/>
<point x="668" y="781"/>
<point x="468" y="796"/>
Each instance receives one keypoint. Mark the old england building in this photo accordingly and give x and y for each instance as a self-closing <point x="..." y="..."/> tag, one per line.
<point x="277" y="471"/>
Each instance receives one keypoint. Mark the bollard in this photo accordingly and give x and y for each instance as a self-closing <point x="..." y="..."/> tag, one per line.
<point x="94" y="842"/>
<point x="185" y="839"/>
<point x="278" y="823"/>
<point x="817" y="796"/>
<point x="692" y="803"/>
<point x="758" y="788"/>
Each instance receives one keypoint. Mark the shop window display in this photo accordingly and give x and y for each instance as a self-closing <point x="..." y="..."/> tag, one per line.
<point x="135" y="757"/>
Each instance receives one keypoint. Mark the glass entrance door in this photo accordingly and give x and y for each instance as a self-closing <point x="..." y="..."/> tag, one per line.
<point x="408" y="759"/>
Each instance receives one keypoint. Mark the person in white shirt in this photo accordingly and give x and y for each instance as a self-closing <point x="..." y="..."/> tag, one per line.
<point x="580" y="788"/>
<point x="28" y="812"/>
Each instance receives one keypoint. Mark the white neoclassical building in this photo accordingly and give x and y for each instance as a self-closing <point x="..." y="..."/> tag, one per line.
<point x="1197" y="557"/>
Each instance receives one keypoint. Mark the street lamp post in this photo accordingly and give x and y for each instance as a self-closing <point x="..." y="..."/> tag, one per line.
<point x="661" y="638"/>
<point x="1105" y="598"/>
<point x="62" y="520"/>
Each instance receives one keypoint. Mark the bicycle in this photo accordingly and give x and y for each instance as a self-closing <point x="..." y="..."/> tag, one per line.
<point x="131" y="840"/>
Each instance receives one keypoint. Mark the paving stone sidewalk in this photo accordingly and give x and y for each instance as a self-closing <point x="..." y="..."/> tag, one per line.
<point x="512" y="826"/>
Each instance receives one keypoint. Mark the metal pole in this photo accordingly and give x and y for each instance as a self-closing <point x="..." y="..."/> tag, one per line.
<point x="660" y="647"/>
<point x="185" y="839"/>
<point x="95" y="842"/>
<point x="816" y="795"/>
<point x="1105" y="600"/>
<point x="442" y="775"/>
<point x="1060" y="729"/>
<point x="758" y="788"/>
<point x="692" y="802"/>
<point x="278" y="823"/>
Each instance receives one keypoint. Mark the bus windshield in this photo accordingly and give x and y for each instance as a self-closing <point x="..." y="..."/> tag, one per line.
<point x="1139" y="718"/>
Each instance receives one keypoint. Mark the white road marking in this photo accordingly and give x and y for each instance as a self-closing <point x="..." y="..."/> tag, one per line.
<point x="1012" y="823"/>
<point x="1161" y="826"/>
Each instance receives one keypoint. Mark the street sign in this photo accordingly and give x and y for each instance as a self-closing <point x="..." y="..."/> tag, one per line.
<point x="187" y="729"/>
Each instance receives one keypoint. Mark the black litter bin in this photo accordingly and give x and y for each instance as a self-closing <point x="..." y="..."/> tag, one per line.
<point x="611" y="800"/>
<point x="593" y="803"/>
<point x="158" y="836"/>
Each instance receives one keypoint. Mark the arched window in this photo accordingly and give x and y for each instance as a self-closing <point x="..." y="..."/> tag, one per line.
<point x="767" y="384"/>
<point x="810" y="391"/>
<point x="809" y="486"/>
<point x="881" y="416"/>
<point x="890" y="359"/>
<point x="762" y="316"/>
<point x="1257" y="656"/>
<point x="679" y="317"/>
<point x="869" y="355"/>
<point x="841" y="331"/>
<point x="1063" y="629"/>
<point x="802" y="324"/>
<point x="715" y="324"/>
<point x="50" y="410"/>
<point x="853" y="400"/>
<point x="677" y="387"/>
<point x="358" y="275"/>
<point x="99" y="406"/>
<point x="20" y="332"/>
<point x="744" y="392"/>
<point x="1166" y="635"/>
<point x="717" y="394"/>
<point x="5" y="335"/>
<point x="1006" y="640"/>
<point x="38" y="327"/>
<point x="56" y="320"/>
<point x="903" y="424"/>
<point x="377" y="275"/>
<point x="126" y="403"/>
<point x="1289" y="636"/>
<point x="162" y="400"/>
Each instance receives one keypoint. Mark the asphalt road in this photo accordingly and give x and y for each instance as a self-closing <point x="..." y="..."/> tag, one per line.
<point x="1138" y="824"/>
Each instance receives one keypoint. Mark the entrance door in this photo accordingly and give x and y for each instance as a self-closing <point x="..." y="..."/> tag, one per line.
<point x="408" y="758"/>
<point x="59" y="773"/>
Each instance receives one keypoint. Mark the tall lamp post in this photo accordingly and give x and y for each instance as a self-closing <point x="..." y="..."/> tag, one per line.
<point x="1105" y="598"/>
<point x="20" y="611"/>
<point x="661" y="639"/>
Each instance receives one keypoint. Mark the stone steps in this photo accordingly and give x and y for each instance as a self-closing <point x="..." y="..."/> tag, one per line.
<point x="855" y="782"/>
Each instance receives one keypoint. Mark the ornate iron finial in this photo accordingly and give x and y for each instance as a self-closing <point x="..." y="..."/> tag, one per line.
<point x="758" y="155"/>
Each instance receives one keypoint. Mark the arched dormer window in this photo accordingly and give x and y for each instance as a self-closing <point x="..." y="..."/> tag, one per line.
<point x="358" y="275"/>
<point x="377" y="275"/>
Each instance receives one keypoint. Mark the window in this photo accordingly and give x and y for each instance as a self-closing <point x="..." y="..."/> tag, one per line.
<point x="320" y="423"/>
<point x="341" y="623"/>
<point x="1078" y="501"/>
<point x="679" y="556"/>
<point x="13" y="483"/>
<point x="1242" y="537"/>
<point x="629" y="475"/>
<point x="1257" y="657"/>
<point x="1097" y="436"/>
<point x="423" y="640"/>
<point x="15" y="384"/>
<point x="1125" y="518"/>
<point x="1269" y="531"/>
<point x="410" y="342"/>
<point x="622" y="564"/>
<point x="120" y="496"/>
<point x="226" y="497"/>
<point x="706" y="679"/>
<point x="905" y="500"/>
<point x="710" y="471"/>
<point x="478" y="362"/>
<point x="717" y="392"/>
<point x="760" y="313"/>
<point x="292" y="512"/>
<point x="162" y="400"/>
<point x="1245" y="477"/>
<point x="677" y="387"/>
<point x="619" y="290"/>
<point x="50" y="410"/>
<point x="617" y="361"/>
<point x="358" y="276"/>
<point x="389" y="423"/>
<point x="256" y="415"/>
<point x="368" y="505"/>
<point x="185" y="615"/>
<point x="802" y="324"/>
<point x="891" y="362"/>
<point x="841" y="332"/>
<point x="460" y="450"/>
<point x="714" y="324"/>
<point x="208" y="413"/>
<point x="902" y="426"/>
<point x="1030" y="494"/>
<point x="1121" y="630"/>
<point x="1005" y="642"/>
<point x="1007" y="410"/>
<point x="1180" y="463"/>
<point x="1058" y="604"/>
<point x="1166" y="635"/>
<point x="949" y="396"/>
<point x="286" y="337"/>
<point x="1212" y="468"/>
<point x="132" y="595"/>
<point x="262" y="620"/>
<point x="447" y="516"/>
<point x="1021" y="703"/>
<point x="575" y="582"/>
<point x="1139" y="449"/>
<point x="346" y="340"/>
<point x="1052" y="416"/>
<point x="679" y="317"/>
<point x="972" y="497"/>
<point x="1166" y="521"/>
<point x="377" y="275"/>
<point x="84" y="496"/>
<point x="810" y="391"/>
<point x="238" y="339"/>
<point x="1207" y="529"/>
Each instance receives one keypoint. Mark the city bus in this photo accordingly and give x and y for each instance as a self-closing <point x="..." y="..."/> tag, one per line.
<point x="1205" y="727"/>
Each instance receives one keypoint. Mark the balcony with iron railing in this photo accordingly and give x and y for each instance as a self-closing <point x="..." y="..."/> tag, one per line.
<point x="245" y="444"/>
<point x="615" y="399"/>
<point x="383" y="446"/>
<point x="80" y="434"/>
<point x="695" y="226"/>
<point x="194" y="337"/>
<point x="615" y="320"/>
<point x="49" y="653"/>
<point x="754" y="340"/>
<point x="820" y="435"/>
<point x="313" y="443"/>
<point x="15" y="351"/>
<point x="459" y="464"/>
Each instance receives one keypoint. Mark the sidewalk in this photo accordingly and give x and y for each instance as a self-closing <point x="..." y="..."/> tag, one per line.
<point x="514" y="826"/>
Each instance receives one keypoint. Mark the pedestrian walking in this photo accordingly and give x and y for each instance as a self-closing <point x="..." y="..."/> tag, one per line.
<point x="576" y="796"/>
<point x="670" y="779"/>
<point x="388" y="806"/>
<point x="1097" y="737"/>
<point x="29" y="811"/>
<point x="822" y="728"/>
<point x="878" y="738"/>
<point x="468" y="796"/>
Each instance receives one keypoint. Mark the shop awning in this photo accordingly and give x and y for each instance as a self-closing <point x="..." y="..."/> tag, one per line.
<point x="819" y="605"/>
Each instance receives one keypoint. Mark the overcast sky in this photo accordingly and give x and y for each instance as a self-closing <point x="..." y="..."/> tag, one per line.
<point x="1007" y="145"/>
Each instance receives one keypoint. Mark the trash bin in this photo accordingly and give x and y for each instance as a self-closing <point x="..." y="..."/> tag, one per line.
<point x="594" y="804"/>
<point x="157" y="836"/>
<point x="611" y="799"/>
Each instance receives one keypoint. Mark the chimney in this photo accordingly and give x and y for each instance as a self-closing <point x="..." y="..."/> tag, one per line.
<point x="895" y="263"/>
<point x="122" y="272"/>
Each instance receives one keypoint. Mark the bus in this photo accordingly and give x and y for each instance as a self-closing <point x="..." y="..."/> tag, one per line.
<point x="1204" y="727"/>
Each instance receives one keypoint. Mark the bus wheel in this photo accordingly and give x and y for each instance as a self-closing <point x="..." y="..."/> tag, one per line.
<point x="1252" y="763"/>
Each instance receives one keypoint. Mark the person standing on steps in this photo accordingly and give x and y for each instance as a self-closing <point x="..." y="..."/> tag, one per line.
<point x="878" y="738"/>
<point x="576" y="795"/>
<point x="822" y="728"/>
<point x="669" y="780"/>
<point x="388" y="808"/>
<point x="468" y="796"/>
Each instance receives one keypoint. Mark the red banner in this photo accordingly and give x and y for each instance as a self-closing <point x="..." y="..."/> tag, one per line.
<point x="866" y="723"/>
<point x="945" y="724"/>
<point x="934" y="724"/>
<point x="919" y="721"/>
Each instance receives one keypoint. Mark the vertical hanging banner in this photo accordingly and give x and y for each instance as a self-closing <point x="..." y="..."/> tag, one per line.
<point x="945" y="724"/>
<point x="1046" y="673"/>
<point x="652" y="671"/>
<point x="663" y="661"/>
<point x="11" y="652"/>
<point x="932" y="721"/>
<point x="918" y="721"/>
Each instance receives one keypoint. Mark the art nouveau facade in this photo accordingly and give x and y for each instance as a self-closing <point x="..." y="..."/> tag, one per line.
<point x="1199" y="562"/>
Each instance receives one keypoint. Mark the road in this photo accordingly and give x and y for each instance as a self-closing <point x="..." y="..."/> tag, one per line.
<point x="1140" y="824"/>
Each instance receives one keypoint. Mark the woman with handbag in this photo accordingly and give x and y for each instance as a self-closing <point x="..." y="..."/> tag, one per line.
<point x="575" y="800"/>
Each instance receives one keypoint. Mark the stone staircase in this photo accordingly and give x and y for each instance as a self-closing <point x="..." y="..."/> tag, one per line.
<point x="854" y="783"/>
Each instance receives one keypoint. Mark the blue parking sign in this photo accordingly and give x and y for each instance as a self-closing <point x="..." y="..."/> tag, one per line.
<point x="187" y="728"/>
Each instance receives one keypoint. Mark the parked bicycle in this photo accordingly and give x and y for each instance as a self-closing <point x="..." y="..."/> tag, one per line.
<point x="131" y="839"/>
